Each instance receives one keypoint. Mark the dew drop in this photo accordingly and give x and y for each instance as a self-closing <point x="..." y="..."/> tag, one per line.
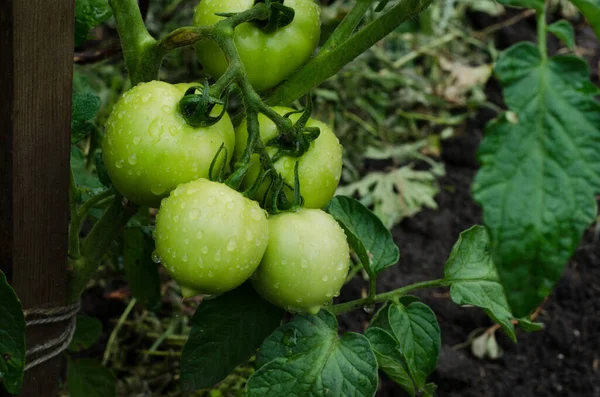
<point x="187" y="241"/>
<point x="299" y="300"/>
<point x="119" y="164"/>
<point x="230" y="206"/>
<point x="194" y="215"/>
<point x="185" y="258"/>
<point x="157" y="190"/>
<point x="304" y="263"/>
<point x="255" y="214"/>
<point x="136" y="140"/>
<point x="212" y="201"/>
<point x="325" y="278"/>
<point x="204" y="250"/>
<point x="231" y="245"/>
<point x="217" y="256"/>
<point x="199" y="235"/>
<point x="156" y="257"/>
<point x="210" y="273"/>
<point x="132" y="159"/>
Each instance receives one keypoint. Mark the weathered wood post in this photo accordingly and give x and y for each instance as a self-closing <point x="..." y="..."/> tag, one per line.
<point x="36" y="69"/>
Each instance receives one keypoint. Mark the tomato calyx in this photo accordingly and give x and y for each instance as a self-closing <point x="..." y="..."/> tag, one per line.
<point x="280" y="16"/>
<point x="197" y="104"/>
<point x="295" y="141"/>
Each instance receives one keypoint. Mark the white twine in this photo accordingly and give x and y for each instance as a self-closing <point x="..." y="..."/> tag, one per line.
<point x="55" y="346"/>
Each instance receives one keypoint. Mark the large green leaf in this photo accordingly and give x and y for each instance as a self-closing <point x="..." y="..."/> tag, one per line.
<point x="226" y="331"/>
<point x="474" y="280"/>
<point x="306" y="357"/>
<point x="367" y="235"/>
<point x="540" y="171"/>
<point x="140" y="270"/>
<point x="89" y="13"/>
<point x="89" y="378"/>
<point x="591" y="10"/>
<point x="12" y="338"/>
<point x="389" y="358"/>
<point x="418" y="332"/>
<point x="535" y="4"/>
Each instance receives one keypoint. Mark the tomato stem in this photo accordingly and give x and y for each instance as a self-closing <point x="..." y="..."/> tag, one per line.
<point x="384" y="297"/>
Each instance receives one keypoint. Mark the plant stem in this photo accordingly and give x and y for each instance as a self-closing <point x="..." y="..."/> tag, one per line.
<point x="542" y="33"/>
<point x="384" y="297"/>
<point x="97" y="243"/>
<point x="113" y="335"/>
<point x="372" y="287"/>
<point x="347" y="26"/>
<point x="328" y="63"/>
<point x="141" y="53"/>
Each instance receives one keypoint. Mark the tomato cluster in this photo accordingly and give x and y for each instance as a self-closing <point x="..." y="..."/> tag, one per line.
<point x="210" y="237"/>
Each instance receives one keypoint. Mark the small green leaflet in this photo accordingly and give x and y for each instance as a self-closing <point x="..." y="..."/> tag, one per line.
<point x="418" y="332"/>
<point x="87" y="331"/>
<point x="306" y="357"/>
<point x="89" y="378"/>
<point x="591" y="10"/>
<point x="564" y="31"/>
<point x="540" y="171"/>
<point x="474" y="280"/>
<point x="88" y="14"/>
<point x="85" y="107"/>
<point x="140" y="270"/>
<point x="226" y="331"/>
<point x="370" y="239"/>
<point x="12" y="338"/>
<point x="390" y="359"/>
<point x="537" y="5"/>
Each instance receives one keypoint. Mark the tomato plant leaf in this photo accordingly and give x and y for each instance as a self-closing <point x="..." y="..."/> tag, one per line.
<point x="12" y="338"/>
<point x="306" y="357"/>
<point x="474" y="280"/>
<point x="389" y="358"/>
<point x="370" y="239"/>
<point x="88" y="14"/>
<point x="537" y="5"/>
<point x="89" y="378"/>
<point x="85" y="107"/>
<point x="591" y="10"/>
<point x="417" y="330"/>
<point x="87" y="331"/>
<point x="226" y="331"/>
<point x="540" y="171"/>
<point x="140" y="270"/>
<point x="564" y="31"/>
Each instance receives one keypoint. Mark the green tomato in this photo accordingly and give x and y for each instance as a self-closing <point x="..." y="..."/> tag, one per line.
<point x="209" y="237"/>
<point x="306" y="261"/>
<point x="149" y="149"/>
<point x="319" y="169"/>
<point x="268" y="58"/>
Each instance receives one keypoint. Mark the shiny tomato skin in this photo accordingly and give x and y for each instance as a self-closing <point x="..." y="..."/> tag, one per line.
<point x="306" y="261"/>
<point x="319" y="169"/>
<point x="268" y="58"/>
<point x="209" y="237"/>
<point x="148" y="147"/>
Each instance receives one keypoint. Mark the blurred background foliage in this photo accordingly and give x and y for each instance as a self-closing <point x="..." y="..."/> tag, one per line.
<point x="391" y="109"/>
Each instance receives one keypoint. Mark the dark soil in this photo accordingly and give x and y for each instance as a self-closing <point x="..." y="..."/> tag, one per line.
<point x="561" y="360"/>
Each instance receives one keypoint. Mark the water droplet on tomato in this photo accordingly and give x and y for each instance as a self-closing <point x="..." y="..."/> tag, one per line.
<point x="132" y="159"/>
<point x="217" y="256"/>
<point x="119" y="164"/>
<point x="156" y="257"/>
<point x="325" y="278"/>
<point x="231" y="245"/>
<point x="199" y="235"/>
<point x="204" y="250"/>
<point x="157" y="190"/>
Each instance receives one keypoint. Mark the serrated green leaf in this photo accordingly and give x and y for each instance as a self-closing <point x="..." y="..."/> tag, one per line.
<point x="88" y="14"/>
<point x="370" y="239"/>
<point x="540" y="171"/>
<point x="591" y="10"/>
<point x="89" y="378"/>
<point x="537" y="5"/>
<point x="529" y="326"/>
<point x="226" y="331"/>
<point x="12" y="338"/>
<point x="417" y="330"/>
<point x="305" y="357"/>
<point x="87" y="331"/>
<point x="140" y="270"/>
<point x="430" y="389"/>
<point x="564" y="31"/>
<point x="389" y="358"/>
<point x="474" y="280"/>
